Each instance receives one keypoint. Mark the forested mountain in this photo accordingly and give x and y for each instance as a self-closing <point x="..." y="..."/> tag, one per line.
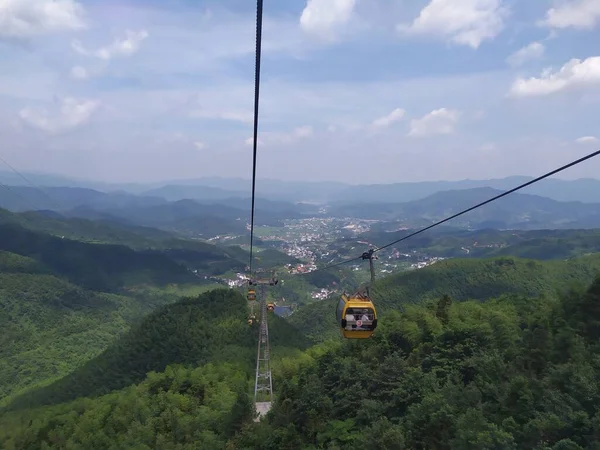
<point x="513" y="373"/>
<point x="462" y="279"/>
<point x="517" y="211"/>
<point x="193" y="331"/>
<point x="205" y="218"/>
<point x="583" y="189"/>
<point x="63" y="301"/>
<point x="191" y="214"/>
<point x="469" y="353"/>
<point x="457" y="243"/>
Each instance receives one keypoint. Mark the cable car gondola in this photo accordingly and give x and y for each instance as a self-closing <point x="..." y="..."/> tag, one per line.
<point x="271" y="307"/>
<point x="251" y="295"/>
<point x="356" y="316"/>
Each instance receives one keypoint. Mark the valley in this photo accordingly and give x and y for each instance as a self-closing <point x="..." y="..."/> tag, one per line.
<point x="100" y="310"/>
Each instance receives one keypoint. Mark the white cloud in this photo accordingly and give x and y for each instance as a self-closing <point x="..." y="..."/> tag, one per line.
<point x="250" y="141"/>
<point x="464" y="22"/>
<point x="301" y="132"/>
<point x="489" y="147"/>
<point x="119" y="48"/>
<point x="322" y="18"/>
<point x="21" y="19"/>
<point x="234" y="116"/>
<point x="79" y="73"/>
<point x="385" y="121"/>
<point x="200" y="145"/>
<point x="587" y="140"/>
<point x="582" y="14"/>
<point x="272" y="137"/>
<point x="575" y="73"/>
<point x="72" y="113"/>
<point x="532" y="51"/>
<point x="439" y="121"/>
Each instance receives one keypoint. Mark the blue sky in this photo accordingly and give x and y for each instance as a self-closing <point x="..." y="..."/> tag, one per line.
<point x="363" y="91"/>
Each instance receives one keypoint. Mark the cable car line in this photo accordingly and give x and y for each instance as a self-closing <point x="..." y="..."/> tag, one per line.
<point x="521" y="186"/>
<point x="259" y="16"/>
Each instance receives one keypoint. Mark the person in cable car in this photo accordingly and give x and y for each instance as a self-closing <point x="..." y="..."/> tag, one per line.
<point x="356" y="316"/>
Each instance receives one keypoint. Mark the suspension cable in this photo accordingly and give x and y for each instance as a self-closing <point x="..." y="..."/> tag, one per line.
<point x="521" y="186"/>
<point x="259" y="16"/>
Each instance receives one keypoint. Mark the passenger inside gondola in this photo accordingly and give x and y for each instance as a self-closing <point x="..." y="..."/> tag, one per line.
<point x="359" y="319"/>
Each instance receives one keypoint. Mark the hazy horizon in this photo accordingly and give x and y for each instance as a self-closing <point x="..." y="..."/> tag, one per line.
<point x="67" y="178"/>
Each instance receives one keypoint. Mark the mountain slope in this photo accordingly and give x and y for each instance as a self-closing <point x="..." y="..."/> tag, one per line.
<point x="50" y="326"/>
<point x="513" y="373"/>
<point x="26" y="198"/>
<point x="519" y="211"/>
<point x="195" y="331"/>
<point x="97" y="267"/>
<point x="582" y="190"/>
<point x="462" y="279"/>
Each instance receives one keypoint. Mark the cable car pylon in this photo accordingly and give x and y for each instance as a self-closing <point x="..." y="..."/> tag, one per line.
<point x="263" y="385"/>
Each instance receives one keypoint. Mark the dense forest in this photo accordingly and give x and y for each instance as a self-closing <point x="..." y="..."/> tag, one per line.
<point x="462" y="279"/>
<point x="117" y="346"/>
<point x="512" y="372"/>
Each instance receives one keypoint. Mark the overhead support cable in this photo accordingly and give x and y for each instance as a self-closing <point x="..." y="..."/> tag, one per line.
<point x="259" y="16"/>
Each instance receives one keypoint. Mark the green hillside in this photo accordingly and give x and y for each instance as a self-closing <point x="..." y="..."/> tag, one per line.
<point x="50" y="326"/>
<point x="462" y="279"/>
<point x="535" y="244"/>
<point x="62" y="302"/>
<point x="180" y="408"/>
<point x="98" y="231"/>
<point x="513" y="373"/>
<point x="193" y="331"/>
<point x="207" y="258"/>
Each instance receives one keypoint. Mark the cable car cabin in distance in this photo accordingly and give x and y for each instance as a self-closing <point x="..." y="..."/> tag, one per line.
<point x="271" y="307"/>
<point x="251" y="295"/>
<point x="356" y="316"/>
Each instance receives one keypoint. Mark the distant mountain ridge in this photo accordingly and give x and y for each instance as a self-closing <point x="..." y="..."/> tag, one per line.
<point x="583" y="189"/>
<point x="207" y="217"/>
<point x="515" y="211"/>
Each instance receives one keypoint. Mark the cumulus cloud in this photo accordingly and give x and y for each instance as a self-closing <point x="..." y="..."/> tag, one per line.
<point x="575" y="73"/>
<point x="587" y="140"/>
<point x="302" y="132"/>
<point x="581" y="14"/>
<point x="385" y="121"/>
<point x="22" y="19"/>
<point x="323" y="18"/>
<point x="79" y="73"/>
<point x="200" y="145"/>
<point x="233" y="115"/>
<point x="283" y="138"/>
<point x="532" y="51"/>
<point x="71" y="114"/>
<point x="439" y="121"/>
<point x="464" y="22"/>
<point x="120" y="47"/>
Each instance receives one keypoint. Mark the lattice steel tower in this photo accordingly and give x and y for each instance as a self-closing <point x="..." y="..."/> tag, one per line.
<point x="263" y="386"/>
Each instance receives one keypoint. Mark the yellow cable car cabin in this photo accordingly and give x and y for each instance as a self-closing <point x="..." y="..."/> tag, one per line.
<point x="251" y="295"/>
<point x="251" y="319"/>
<point x="271" y="307"/>
<point x="356" y="316"/>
